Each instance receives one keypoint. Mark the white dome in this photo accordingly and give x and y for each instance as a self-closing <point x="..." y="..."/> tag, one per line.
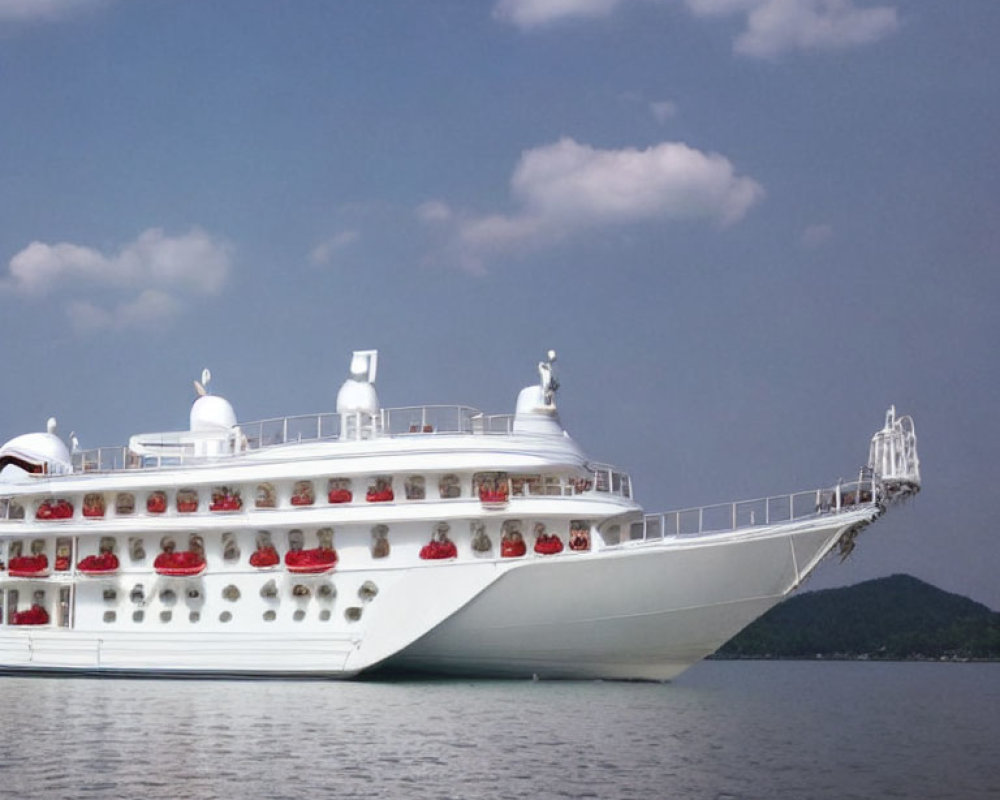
<point x="40" y="448"/>
<point x="212" y="413"/>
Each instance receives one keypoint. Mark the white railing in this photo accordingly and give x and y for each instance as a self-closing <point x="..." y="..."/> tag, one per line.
<point x="725" y="517"/>
<point x="260" y="434"/>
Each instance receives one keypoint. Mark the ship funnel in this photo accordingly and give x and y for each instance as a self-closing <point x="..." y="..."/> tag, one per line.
<point x="893" y="455"/>
<point x="357" y="400"/>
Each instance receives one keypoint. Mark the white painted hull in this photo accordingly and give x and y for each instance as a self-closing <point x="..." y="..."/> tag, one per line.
<point x="639" y="611"/>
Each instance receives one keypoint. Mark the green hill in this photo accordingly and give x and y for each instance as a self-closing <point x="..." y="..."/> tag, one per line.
<point x="898" y="617"/>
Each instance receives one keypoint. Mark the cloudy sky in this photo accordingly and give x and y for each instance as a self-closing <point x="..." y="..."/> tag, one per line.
<point x="746" y="226"/>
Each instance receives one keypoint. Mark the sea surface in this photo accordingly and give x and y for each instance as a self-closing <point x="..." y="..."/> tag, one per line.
<point x="723" y="730"/>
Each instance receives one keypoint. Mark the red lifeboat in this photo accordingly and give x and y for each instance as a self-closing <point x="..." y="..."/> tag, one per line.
<point x="513" y="548"/>
<point x="548" y="544"/>
<point x="264" y="557"/>
<point x="156" y="503"/>
<point x="54" y="509"/>
<point x="28" y="566"/>
<point x="227" y="502"/>
<point x="36" y="615"/>
<point x="340" y="496"/>
<point x="493" y="497"/>
<point x="379" y="495"/>
<point x="181" y="563"/>
<point x="314" y="561"/>
<point x="434" y="550"/>
<point x="101" y="564"/>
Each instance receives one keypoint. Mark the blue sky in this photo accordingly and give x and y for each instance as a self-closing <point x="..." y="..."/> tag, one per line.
<point x="746" y="226"/>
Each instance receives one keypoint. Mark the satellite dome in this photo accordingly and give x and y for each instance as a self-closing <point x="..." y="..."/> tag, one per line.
<point x="212" y="413"/>
<point x="35" y="449"/>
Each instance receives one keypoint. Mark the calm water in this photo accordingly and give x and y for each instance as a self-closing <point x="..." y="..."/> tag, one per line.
<point x="721" y="731"/>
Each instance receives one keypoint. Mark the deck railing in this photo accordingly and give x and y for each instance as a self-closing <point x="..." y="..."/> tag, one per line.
<point x="725" y="517"/>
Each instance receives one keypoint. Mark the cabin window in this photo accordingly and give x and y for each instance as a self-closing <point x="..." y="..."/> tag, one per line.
<point x="156" y="502"/>
<point x="231" y="593"/>
<point x="168" y="597"/>
<point x="324" y="615"/>
<point x="166" y="615"/>
<point x="269" y="590"/>
<point x="325" y="538"/>
<point x="11" y="509"/>
<point x="581" y="485"/>
<point x="93" y="505"/>
<point x="64" y="601"/>
<point x="110" y="616"/>
<point x="230" y="550"/>
<point x="136" y="549"/>
<point x="380" y="489"/>
<point x="125" y="503"/>
<point x="12" y="598"/>
<point x="265" y="496"/>
<point x="37" y="547"/>
<point x="296" y="540"/>
<point x="521" y="485"/>
<point x="196" y="544"/>
<point x="415" y="487"/>
<point x="367" y="591"/>
<point x="187" y="501"/>
<point x="299" y="615"/>
<point x="579" y="535"/>
<point x="303" y="494"/>
<point x="109" y="595"/>
<point x="352" y="614"/>
<point x="380" y="541"/>
<point x="64" y="554"/>
<point x="226" y="498"/>
<point x="602" y="480"/>
<point x="492" y="487"/>
<point x="270" y="615"/>
<point x="449" y="486"/>
<point x="138" y="594"/>
<point x="138" y="615"/>
<point x="613" y="534"/>
<point x="479" y="541"/>
<point x="225" y="616"/>
<point x="300" y="590"/>
<point x="545" y="485"/>
<point x="338" y="490"/>
<point x="14" y="549"/>
<point x="194" y="616"/>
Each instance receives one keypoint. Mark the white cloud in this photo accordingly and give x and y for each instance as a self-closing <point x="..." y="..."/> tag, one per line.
<point x="537" y="13"/>
<point x="663" y="110"/>
<point x="152" y="272"/>
<point x="566" y="188"/>
<point x="816" y="235"/>
<point x="774" y="27"/>
<point x="323" y="252"/>
<point x="434" y="211"/>
<point x="25" y="10"/>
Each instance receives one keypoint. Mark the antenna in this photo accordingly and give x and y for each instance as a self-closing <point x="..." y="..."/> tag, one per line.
<point x="201" y="387"/>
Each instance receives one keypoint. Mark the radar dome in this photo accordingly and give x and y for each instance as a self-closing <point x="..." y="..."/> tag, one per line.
<point x="31" y="449"/>
<point x="212" y="413"/>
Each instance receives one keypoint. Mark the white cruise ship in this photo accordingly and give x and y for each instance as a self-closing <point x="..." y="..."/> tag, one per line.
<point x="435" y="539"/>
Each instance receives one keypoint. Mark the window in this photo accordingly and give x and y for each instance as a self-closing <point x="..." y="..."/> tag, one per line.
<point x="93" y="505"/>
<point x="230" y="550"/>
<point x="187" y="501"/>
<point x="449" y="486"/>
<point x="124" y="503"/>
<point x="265" y="496"/>
<point x="380" y="541"/>
<point x="303" y="494"/>
<point x="415" y="487"/>
<point x="226" y="498"/>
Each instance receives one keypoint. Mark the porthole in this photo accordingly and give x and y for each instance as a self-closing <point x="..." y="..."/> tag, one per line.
<point x="194" y="616"/>
<point x="270" y="615"/>
<point x="367" y="591"/>
<point x="194" y="594"/>
<point x="168" y="596"/>
<point x="225" y="616"/>
<point x="166" y="616"/>
<point x="269" y="590"/>
<point x="137" y="595"/>
<point x="138" y="615"/>
<point x="110" y="595"/>
<point x="326" y="591"/>
<point x="299" y="615"/>
<point x="324" y="615"/>
<point x="300" y="590"/>
<point x="110" y="616"/>
<point x="353" y="613"/>
<point x="231" y="593"/>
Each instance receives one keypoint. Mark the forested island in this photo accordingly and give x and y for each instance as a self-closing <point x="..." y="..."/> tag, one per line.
<point x="894" y="618"/>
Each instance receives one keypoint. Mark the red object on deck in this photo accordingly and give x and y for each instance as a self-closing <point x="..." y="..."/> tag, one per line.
<point x="101" y="564"/>
<point x="156" y="504"/>
<point x="36" y="615"/>
<point x="313" y="561"/>
<point x="60" y="509"/>
<point x="512" y="549"/>
<point x="384" y="496"/>
<point x="227" y="503"/>
<point x="436" y="550"/>
<point x="548" y="545"/>
<point x="493" y="495"/>
<point x="184" y="562"/>
<point x="264" y="557"/>
<point x="340" y="496"/>
<point x="28" y="566"/>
